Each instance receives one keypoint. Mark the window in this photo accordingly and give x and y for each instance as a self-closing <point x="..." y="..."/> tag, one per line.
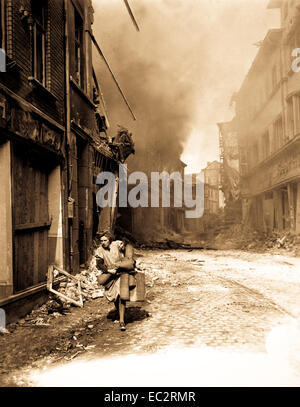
<point x="266" y="145"/>
<point x="243" y="160"/>
<point x="255" y="154"/>
<point x="39" y="13"/>
<point x="79" y="54"/>
<point x="2" y="25"/>
<point x="290" y="118"/>
<point x="277" y="134"/>
<point x="2" y="38"/>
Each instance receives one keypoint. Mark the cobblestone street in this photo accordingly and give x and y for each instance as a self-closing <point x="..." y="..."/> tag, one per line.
<point x="212" y="318"/>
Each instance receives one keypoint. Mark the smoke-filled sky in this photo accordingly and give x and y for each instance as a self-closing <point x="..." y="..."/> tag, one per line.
<point x="178" y="73"/>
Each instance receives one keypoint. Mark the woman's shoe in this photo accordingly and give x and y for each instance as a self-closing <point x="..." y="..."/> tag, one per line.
<point x="122" y="326"/>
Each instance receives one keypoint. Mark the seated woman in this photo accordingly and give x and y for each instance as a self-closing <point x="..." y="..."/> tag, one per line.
<point x="116" y="268"/>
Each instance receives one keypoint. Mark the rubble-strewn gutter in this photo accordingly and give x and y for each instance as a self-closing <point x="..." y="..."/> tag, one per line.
<point x="26" y="293"/>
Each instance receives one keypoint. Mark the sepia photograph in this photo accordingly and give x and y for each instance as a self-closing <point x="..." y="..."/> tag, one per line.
<point x="149" y="196"/>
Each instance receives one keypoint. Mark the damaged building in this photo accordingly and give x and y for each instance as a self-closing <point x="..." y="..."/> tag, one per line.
<point x="230" y="180"/>
<point x="213" y="199"/>
<point x="267" y="123"/>
<point x="155" y="222"/>
<point x="53" y="144"/>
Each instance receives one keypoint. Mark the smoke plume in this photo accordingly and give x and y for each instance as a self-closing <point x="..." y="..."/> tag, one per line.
<point x="178" y="73"/>
<point x="158" y="71"/>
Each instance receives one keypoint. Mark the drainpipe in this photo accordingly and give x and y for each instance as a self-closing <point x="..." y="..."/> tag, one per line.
<point x="68" y="125"/>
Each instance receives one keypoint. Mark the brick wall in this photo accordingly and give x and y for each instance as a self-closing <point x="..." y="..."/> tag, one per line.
<point x="16" y="79"/>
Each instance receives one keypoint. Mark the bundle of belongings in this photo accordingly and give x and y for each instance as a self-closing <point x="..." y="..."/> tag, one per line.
<point x="129" y="284"/>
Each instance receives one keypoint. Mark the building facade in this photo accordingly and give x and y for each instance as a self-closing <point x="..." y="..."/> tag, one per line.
<point x="213" y="196"/>
<point x="53" y="144"/>
<point x="268" y="126"/>
<point x="32" y="143"/>
<point x="213" y="199"/>
<point x="229" y="160"/>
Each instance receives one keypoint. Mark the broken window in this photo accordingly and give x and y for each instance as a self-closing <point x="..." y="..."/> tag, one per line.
<point x="39" y="13"/>
<point x="79" y="50"/>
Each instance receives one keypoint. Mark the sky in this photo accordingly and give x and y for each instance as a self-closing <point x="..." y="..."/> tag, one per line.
<point x="178" y="72"/>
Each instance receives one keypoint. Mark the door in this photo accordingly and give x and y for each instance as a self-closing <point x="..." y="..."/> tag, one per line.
<point x="30" y="218"/>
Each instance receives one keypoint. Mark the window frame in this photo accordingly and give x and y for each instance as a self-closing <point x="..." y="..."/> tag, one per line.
<point x="290" y="118"/>
<point x="79" y="50"/>
<point x="3" y="25"/>
<point x="278" y="133"/>
<point x="266" y="144"/>
<point x="43" y="27"/>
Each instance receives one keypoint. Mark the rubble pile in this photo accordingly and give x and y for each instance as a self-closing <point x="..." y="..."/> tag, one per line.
<point x="57" y="306"/>
<point x="240" y="237"/>
<point x="89" y="286"/>
<point x="264" y="241"/>
<point x="288" y="241"/>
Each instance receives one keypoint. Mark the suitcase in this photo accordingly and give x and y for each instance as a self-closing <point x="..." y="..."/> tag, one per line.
<point x="138" y="293"/>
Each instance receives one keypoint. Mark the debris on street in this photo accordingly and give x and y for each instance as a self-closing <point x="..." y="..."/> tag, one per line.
<point x="76" y="289"/>
<point x="70" y="291"/>
<point x="241" y="237"/>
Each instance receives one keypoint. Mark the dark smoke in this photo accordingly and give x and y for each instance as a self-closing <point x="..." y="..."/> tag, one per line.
<point x="179" y="72"/>
<point x="157" y="71"/>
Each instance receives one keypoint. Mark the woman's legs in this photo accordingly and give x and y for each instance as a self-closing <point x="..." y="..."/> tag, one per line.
<point x="122" y="307"/>
<point x="117" y="305"/>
